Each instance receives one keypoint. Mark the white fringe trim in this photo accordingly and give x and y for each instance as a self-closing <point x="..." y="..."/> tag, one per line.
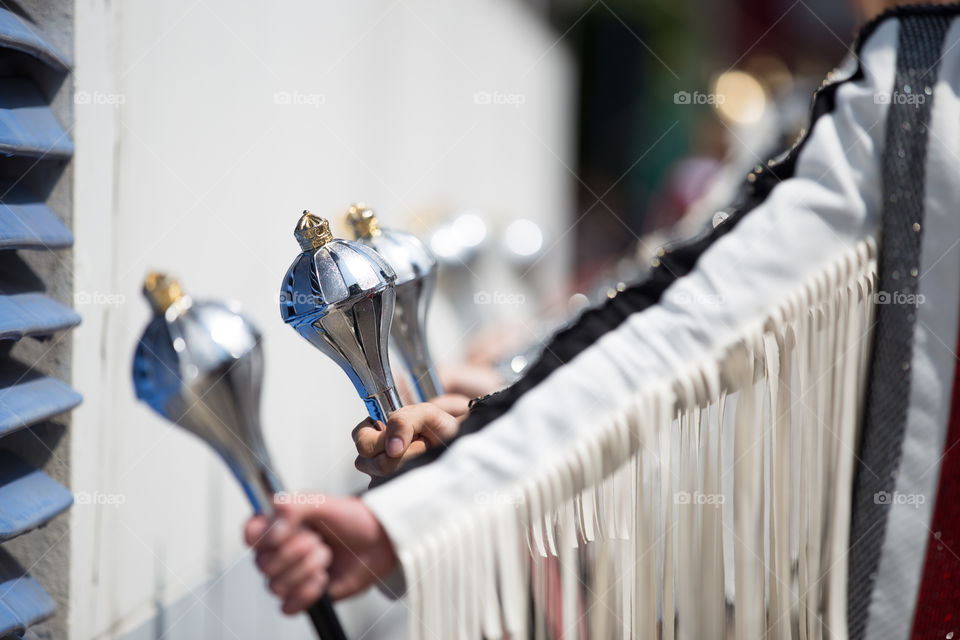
<point x="625" y="536"/>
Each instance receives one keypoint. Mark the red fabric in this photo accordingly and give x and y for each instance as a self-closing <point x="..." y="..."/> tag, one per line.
<point x="937" y="614"/>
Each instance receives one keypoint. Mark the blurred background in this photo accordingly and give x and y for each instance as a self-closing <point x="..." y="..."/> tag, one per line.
<point x="544" y="149"/>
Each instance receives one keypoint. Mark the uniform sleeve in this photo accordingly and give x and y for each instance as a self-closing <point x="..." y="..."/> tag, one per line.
<point x="829" y="203"/>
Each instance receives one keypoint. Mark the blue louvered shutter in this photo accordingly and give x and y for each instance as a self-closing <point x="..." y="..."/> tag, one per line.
<point x="34" y="150"/>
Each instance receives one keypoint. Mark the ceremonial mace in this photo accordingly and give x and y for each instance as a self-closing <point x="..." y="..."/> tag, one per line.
<point x="416" y="269"/>
<point x="200" y="366"/>
<point x="339" y="295"/>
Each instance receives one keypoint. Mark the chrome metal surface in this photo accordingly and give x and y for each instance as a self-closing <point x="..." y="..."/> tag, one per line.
<point x="416" y="269"/>
<point x="340" y="298"/>
<point x="200" y="365"/>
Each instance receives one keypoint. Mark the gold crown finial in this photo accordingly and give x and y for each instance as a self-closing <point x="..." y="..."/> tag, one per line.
<point x="364" y="222"/>
<point x="312" y="232"/>
<point x="161" y="291"/>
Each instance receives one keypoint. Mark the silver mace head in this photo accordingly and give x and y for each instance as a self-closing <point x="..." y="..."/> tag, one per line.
<point x="339" y="295"/>
<point x="200" y="366"/>
<point x="416" y="269"/>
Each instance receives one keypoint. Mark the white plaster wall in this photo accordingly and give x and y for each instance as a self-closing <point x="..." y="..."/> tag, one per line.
<point x="185" y="161"/>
